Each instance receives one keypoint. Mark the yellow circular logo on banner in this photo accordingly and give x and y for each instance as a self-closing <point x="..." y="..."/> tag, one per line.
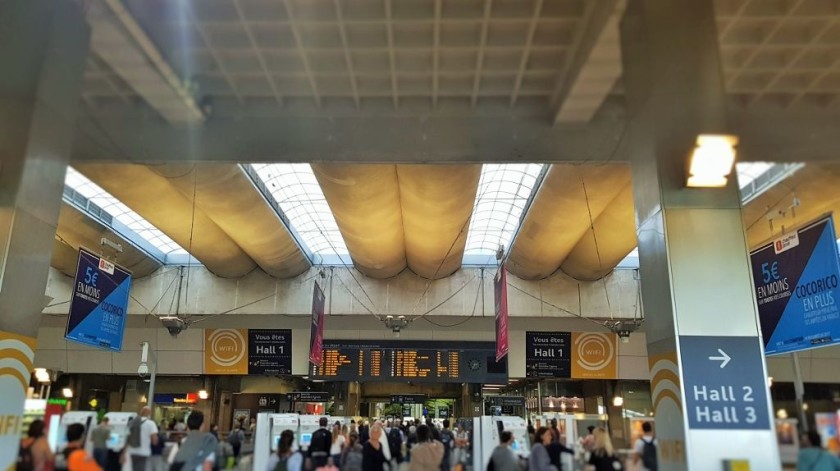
<point x="227" y="347"/>
<point x="595" y="351"/>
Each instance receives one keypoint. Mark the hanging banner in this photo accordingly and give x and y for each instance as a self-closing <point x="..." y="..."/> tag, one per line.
<point x="594" y="355"/>
<point x="500" y="290"/>
<point x="225" y="352"/>
<point x="99" y="303"/>
<point x="16" y="357"/>
<point x="548" y="354"/>
<point x="316" y="333"/>
<point x="797" y="286"/>
<point x="269" y="352"/>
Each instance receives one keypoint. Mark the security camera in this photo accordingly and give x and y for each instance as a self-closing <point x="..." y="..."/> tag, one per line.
<point x="173" y="324"/>
<point x="143" y="370"/>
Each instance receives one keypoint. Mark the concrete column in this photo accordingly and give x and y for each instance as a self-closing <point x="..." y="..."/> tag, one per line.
<point x="43" y="47"/>
<point x="696" y="280"/>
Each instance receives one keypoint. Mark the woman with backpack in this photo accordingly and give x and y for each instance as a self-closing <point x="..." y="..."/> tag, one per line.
<point x="286" y="459"/>
<point x="35" y="453"/>
<point x="235" y="438"/>
<point x="428" y="454"/>
<point x="351" y="457"/>
<point x="603" y="456"/>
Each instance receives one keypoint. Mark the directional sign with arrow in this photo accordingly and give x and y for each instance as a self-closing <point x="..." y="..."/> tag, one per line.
<point x="723" y="358"/>
<point x="724" y="383"/>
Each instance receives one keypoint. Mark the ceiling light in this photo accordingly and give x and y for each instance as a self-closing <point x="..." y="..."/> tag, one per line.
<point x="67" y="393"/>
<point x="712" y="161"/>
<point x="618" y="401"/>
<point x="203" y="394"/>
<point x="42" y="375"/>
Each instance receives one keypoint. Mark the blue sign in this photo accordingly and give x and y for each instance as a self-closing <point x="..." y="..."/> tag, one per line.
<point x="99" y="304"/>
<point x="725" y="386"/>
<point x="797" y="285"/>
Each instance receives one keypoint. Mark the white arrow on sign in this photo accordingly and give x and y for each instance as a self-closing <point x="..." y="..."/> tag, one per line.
<point x="723" y="358"/>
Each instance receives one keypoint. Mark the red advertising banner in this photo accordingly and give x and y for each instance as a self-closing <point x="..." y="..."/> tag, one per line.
<point x="316" y="334"/>
<point x="500" y="289"/>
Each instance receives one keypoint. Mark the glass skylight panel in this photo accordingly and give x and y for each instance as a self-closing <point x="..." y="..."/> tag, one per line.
<point x="122" y="213"/>
<point x="295" y="188"/>
<point x="503" y="192"/>
<point x="749" y="171"/>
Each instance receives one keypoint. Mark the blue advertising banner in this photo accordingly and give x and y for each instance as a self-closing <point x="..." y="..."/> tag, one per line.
<point x="797" y="284"/>
<point x="99" y="303"/>
<point x="725" y="386"/>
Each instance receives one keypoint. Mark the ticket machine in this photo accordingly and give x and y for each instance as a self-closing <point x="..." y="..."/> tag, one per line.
<point x="88" y="419"/>
<point x="308" y="425"/>
<point x="118" y="421"/>
<point x="267" y="435"/>
<point x="486" y="436"/>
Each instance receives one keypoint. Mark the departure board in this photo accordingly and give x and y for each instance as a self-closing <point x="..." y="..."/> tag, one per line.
<point x="422" y="361"/>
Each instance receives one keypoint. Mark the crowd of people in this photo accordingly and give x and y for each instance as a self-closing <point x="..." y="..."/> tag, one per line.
<point x="377" y="446"/>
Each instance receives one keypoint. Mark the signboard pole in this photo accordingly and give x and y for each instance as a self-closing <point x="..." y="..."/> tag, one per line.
<point x="799" y="388"/>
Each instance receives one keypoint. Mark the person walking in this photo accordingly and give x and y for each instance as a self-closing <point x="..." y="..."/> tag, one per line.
<point x="197" y="451"/>
<point x="142" y="434"/>
<point x="286" y="457"/>
<point x="556" y="449"/>
<point x="812" y="456"/>
<point x="235" y="438"/>
<point x="539" y="460"/>
<point x="644" y="449"/>
<point x="603" y="456"/>
<point x="373" y="456"/>
<point x="35" y="453"/>
<point x="448" y="440"/>
<point x="319" y="447"/>
<point x="75" y="456"/>
<point x="429" y="454"/>
<point x="100" y="436"/>
<point x="337" y="445"/>
<point x="503" y="457"/>
<point x="352" y="456"/>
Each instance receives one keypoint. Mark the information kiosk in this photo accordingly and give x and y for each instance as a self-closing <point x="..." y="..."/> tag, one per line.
<point x="267" y="435"/>
<point x="486" y="435"/>
<point x="88" y="419"/>
<point x="308" y="425"/>
<point x="118" y="421"/>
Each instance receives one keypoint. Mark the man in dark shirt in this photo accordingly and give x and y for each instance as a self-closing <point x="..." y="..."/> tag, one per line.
<point x="319" y="447"/>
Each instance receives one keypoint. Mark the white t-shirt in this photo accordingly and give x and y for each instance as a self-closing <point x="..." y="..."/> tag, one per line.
<point x="147" y="429"/>
<point x="639" y="446"/>
<point x="335" y="448"/>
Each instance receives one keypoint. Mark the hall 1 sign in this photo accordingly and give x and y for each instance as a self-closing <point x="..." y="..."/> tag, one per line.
<point x="725" y="384"/>
<point x="99" y="303"/>
<point x="269" y="351"/>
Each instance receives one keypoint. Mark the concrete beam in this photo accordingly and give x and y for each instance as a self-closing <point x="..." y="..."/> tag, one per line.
<point x="596" y="65"/>
<point x="458" y="295"/>
<point x="775" y="135"/>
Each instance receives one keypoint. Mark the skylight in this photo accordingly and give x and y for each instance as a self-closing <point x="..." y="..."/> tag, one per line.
<point x="503" y="192"/>
<point x="122" y="213"/>
<point x="299" y="196"/>
<point x="749" y="171"/>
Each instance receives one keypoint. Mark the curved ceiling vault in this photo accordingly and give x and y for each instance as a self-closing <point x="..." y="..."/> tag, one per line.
<point x="816" y="186"/>
<point x="560" y="214"/>
<point x="155" y="198"/>
<point x="77" y="229"/>
<point x="613" y="237"/>
<point x="437" y="203"/>
<point x="227" y="196"/>
<point x="365" y="200"/>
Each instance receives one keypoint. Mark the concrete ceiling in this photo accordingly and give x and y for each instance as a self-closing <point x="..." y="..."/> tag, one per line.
<point x="393" y="83"/>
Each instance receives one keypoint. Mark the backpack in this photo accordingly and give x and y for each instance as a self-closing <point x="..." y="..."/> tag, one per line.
<point x="283" y="463"/>
<point x="235" y="437"/>
<point x="447" y="438"/>
<point x="135" y="429"/>
<point x="352" y="460"/>
<point x="193" y="451"/>
<point x="395" y="441"/>
<point x="321" y="442"/>
<point x="25" y="461"/>
<point x="649" y="455"/>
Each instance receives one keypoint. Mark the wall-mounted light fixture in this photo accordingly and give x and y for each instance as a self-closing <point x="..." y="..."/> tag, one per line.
<point x="67" y="393"/>
<point x="712" y="161"/>
<point x="203" y="394"/>
<point x="618" y="401"/>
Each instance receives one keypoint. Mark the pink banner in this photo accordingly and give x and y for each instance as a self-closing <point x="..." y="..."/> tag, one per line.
<point x="316" y="334"/>
<point x="500" y="288"/>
